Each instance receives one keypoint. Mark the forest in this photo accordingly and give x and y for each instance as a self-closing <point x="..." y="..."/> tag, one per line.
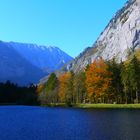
<point x="100" y="82"/>
<point x="12" y="94"/>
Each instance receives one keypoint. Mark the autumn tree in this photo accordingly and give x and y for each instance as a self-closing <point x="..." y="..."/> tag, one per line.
<point x="98" y="80"/>
<point x="41" y="93"/>
<point x="66" y="87"/>
<point x="40" y="88"/>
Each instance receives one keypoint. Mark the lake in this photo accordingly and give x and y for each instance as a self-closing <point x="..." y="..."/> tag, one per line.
<point x="40" y="123"/>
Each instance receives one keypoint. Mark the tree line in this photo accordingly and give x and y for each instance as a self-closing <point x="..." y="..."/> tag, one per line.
<point x="11" y="93"/>
<point x="100" y="82"/>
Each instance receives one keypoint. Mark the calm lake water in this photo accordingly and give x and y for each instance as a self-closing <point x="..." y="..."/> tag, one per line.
<point x="38" y="123"/>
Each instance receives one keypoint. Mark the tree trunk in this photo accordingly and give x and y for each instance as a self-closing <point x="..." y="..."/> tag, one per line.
<point x="137" y="98"/>
<point x="125" y="97"/>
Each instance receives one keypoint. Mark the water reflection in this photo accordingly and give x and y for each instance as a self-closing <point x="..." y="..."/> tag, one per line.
<point x="37" y="123"/>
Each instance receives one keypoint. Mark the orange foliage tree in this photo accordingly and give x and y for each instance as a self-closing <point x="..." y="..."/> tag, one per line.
<point x="63" y="91"/>
<point x="97" y="79"/>
<point x="40" y="88"/>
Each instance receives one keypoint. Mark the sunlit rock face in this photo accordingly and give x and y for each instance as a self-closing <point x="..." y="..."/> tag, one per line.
<point x="120" y="38"/>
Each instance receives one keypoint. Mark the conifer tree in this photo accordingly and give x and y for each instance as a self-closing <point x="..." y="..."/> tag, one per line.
<point x="116" y="84"/>
<point x="50" y="88"/>
<point x="134" y="71"/>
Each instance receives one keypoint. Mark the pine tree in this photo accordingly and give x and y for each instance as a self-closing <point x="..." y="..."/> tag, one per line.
<point x="134" y="71"/>
<point x="51" y="83"/>
<point x="50" y="88"/>
<point x="117" y="87"/>
<point x="125" y="80"/>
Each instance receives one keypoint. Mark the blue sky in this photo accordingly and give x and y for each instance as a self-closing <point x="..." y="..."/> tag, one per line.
<point x="72" y="25"/>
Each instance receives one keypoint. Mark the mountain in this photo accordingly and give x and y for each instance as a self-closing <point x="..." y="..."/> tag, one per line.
<point x="27" y="63"/>
<point x="47" y="58"/>
<point x="120" y="38"/>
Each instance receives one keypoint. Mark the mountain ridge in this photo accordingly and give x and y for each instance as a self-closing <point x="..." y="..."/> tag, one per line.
<point x="119" y="39"/>
<point x="24" y="63"/>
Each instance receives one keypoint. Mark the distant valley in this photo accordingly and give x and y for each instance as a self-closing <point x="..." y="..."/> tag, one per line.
<point x="23" y="63"/>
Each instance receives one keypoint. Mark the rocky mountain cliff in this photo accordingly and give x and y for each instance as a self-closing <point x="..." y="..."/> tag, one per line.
<point x="28" y="63"/>
<point x="120" y="38"/>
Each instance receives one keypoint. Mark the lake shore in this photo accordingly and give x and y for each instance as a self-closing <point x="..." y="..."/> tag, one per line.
<point x="98" y="106"/>
<point x="109" y="106"/>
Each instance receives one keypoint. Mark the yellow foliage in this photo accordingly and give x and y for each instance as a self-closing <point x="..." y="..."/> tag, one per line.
<point x="40" y="88"/>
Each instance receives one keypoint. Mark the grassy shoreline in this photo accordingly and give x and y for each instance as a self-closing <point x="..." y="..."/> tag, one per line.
<point x="109" y="106"/>
<point x="98" y="106"/>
